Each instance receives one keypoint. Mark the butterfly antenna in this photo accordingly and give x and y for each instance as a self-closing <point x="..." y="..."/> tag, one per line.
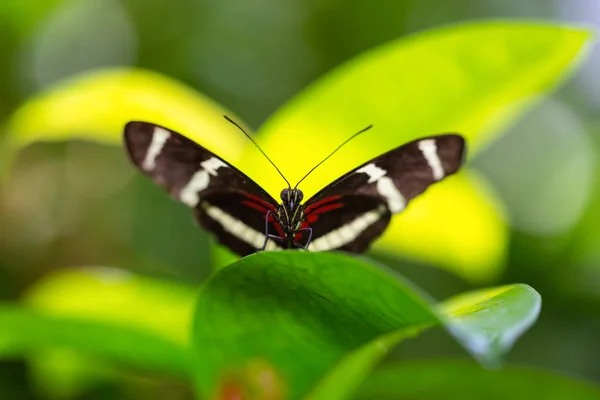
<point x="333" y="152"/>
<point x="258" y="147"/>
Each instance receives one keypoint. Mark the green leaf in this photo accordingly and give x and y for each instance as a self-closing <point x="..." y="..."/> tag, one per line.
<point x="97" y="105"/>
<point x="26" y="331"/>
<point x="474" y="78"/>
<point x="461" y="380"/>
<point x="487" y="322"/>
<point x="319" y="321"/>
<point x="119" y="319"/>
<point x="161" y="307"/>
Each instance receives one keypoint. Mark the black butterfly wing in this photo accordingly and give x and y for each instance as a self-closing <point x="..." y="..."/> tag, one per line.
<point x="356" y="208"/>
<point x="345" y="221"/>
<point x="225" y="201"/>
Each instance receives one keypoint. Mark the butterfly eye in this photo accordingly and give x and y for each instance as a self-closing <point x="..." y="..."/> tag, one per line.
<point x="284" y="195"/>
<point x="299" y="195"/>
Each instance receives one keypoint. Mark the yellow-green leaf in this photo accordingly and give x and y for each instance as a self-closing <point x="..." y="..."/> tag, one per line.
<point x="473" y="78"/>
<point x="117" y="297"/>
<point x="97" y="106"/>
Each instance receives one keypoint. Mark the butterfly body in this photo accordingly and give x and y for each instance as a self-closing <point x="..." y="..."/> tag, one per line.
<point x="290" y="217"/>
<point x="348" y="214"/>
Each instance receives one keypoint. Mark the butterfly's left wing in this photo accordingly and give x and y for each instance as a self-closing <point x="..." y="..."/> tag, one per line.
<point x="356" y="208"/>
<point x="226" y="202"/>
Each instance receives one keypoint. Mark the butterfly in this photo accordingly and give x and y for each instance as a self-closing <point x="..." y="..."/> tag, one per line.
<point x="348" y="214"/>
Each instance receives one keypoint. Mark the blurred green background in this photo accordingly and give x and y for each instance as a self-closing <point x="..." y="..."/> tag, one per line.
<point x="81" y="204"/>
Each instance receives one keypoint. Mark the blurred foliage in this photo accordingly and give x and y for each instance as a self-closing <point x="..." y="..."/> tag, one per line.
<point x="479" y="91"/>
<point x="526" y="205"/>
<point x="472" y="89"/>
<point x="444" y="379"/>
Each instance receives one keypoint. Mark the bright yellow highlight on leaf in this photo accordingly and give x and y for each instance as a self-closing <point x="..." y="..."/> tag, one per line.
<point x="434" y="82"/>
<point x="472" y="78"/>
<point x="119" y="297"/>
<point x="471" y="302"/>
<point x="460" y="204"/>
<point x="98" y="105"/>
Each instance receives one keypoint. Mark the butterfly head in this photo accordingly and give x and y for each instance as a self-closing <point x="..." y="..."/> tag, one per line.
<point x="291" y="197"/>
<point x="290" y="212"/>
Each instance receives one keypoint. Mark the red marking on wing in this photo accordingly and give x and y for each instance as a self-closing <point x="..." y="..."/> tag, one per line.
<point x="313" y="216"/>
<point x="327" y="207"/>
<point x="261" y="201"/>
<point x="319" y="203"/>
<point x="263" y="207"/>
<point x="255" y="206"/>
<point x="299" y="235"/>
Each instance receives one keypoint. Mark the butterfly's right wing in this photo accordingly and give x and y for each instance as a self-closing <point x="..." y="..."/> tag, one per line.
<point x="225" y="201"/>
<point x="355" y="209"/>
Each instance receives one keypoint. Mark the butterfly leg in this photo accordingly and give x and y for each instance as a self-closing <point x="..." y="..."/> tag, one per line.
<point x="267" y="234"/>
<point x="310" y="232"/>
